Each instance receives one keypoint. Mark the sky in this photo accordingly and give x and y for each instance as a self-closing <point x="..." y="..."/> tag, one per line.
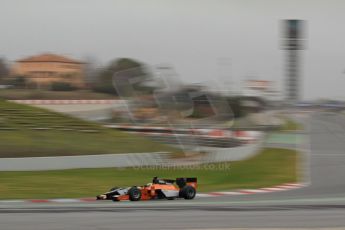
<point x="206" y="41"/>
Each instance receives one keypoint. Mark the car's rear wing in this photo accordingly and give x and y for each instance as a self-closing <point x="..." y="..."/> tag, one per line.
<point x="183" y="181"/>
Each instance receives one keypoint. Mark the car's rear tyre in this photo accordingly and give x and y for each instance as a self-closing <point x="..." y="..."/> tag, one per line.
<point x="134" y="194"/>
<point x="188" y="192"/>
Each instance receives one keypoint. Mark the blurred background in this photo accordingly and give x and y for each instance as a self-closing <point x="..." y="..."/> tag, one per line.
<point x="245" y="95"/>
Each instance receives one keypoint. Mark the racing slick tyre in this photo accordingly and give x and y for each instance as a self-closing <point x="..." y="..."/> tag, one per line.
<point x="134" y="194"/>
<point x="188" y="192"/>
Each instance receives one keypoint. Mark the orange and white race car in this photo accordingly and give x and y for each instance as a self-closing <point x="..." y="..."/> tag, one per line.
<point x="158" y="189"/>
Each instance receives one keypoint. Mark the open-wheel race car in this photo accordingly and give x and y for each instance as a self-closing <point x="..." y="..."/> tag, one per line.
<point x="158" y="189"/>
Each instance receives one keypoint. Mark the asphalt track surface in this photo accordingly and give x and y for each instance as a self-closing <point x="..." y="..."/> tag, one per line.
<point x="321" y="204"/>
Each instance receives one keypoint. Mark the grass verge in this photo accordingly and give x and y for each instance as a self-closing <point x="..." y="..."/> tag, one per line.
<point x="291" y="125"/>
<point x="270" y="167"/>
<point x="27" y="131"/>
<point x="25" y="94"/>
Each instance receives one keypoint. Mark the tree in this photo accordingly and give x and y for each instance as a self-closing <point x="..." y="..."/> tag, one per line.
<point x="62" y="86"/>
<point x="91" y="71"/>
<point x="18" y="82"/>
<point x="105" y="80"/>
<point x="4" y="70"/>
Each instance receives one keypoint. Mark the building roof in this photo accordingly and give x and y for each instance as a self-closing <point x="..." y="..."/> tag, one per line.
<point x="49" y="58"/>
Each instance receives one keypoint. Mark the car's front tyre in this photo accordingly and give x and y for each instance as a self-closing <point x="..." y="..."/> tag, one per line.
<point x="134" y="194"/>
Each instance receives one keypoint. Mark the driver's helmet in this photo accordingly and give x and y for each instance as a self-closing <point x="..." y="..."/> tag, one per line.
<point x="155" y="180"/>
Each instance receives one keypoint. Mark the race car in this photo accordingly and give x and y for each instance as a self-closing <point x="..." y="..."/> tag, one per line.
<point x="159" y="189"/>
